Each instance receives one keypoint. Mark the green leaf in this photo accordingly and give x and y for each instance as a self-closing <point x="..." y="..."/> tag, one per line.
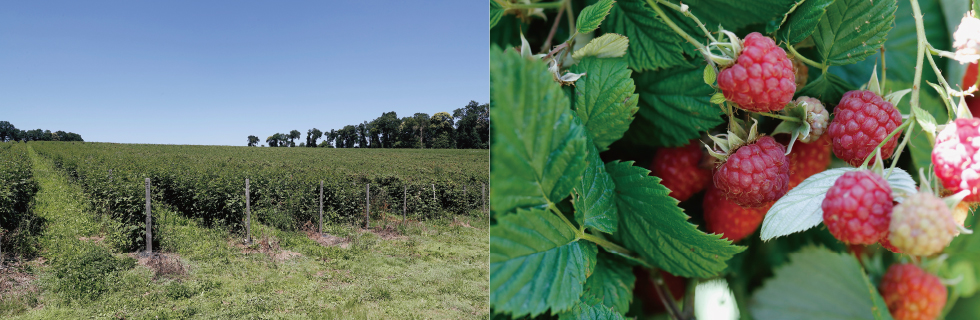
<point x="604" y="99"/>
<point x="609" y="45"/>
<point x="675" y="107"/>
<point x="735" y="14"/>
<point x="652" y="225"/>
<point x="827" y="88"/>
<point x="594" y="197"/>
<point x="900" y="49"/>
<point x="803" y="21"/>
<point x="800" y="209"/>
<point x="539" y="147"/>
<point x="653" y="45"/>
<point x="612" y="282"/>
<point x="590" y="309"/>
<point x="537" y="263"/>
<point x="496" y="11"/>
<point x="590" y="17"/>
<point x="852" y="30"/>
<point x="818" y="284"/>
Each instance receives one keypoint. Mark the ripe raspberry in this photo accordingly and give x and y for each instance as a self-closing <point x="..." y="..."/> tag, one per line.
<point x="957" y="157"/>
<point x="807" y="159"/>
<point x="862" y="121"/>
<point x="858" y="207"/>
<point x="912" y="293"/>
<point x="762" y="79"/>
<point x="921" y="225"/>
<point x="680" y="171"/>
<point x="754" y="174"/>
<point x="727" y="218"/>
<point x="817" y="116"/>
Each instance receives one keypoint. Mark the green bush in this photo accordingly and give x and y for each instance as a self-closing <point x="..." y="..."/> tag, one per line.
<point x="88" y="273"/>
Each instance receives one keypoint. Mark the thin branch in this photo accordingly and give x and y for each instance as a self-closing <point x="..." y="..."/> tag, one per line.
<point x="551" y="34"/>
<point x="665" y="296"/>
<point x="800" y="57"/>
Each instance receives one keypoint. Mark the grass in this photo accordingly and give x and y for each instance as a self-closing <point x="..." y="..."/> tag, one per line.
<point x="435" y="269"/>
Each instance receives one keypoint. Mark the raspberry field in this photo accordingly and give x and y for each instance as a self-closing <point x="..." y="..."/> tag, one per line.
<point x="714" y="159"/>
<point x="73" y="230"/>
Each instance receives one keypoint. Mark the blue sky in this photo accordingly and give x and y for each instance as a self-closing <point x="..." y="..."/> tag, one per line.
<point x="214" y="72"/>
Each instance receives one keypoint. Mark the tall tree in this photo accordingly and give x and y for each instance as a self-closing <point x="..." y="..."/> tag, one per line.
<point x="252" y="141"/>
<point x="311" y="136"/>
<point x="422" y="124"/>
<point x="387" y="126"/>
<point x="473" y="126"/>
<point x="7" y="131"/>
<point x="293" y="135"/>
<point x="272" y="140"/>
<point x="332" y="136"/>
<point x="441" y="131"/>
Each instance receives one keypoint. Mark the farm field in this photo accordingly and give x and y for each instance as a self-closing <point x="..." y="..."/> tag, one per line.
<point x="86" y="231"/>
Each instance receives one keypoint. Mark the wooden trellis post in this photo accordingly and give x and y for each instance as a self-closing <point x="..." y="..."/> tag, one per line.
<point x="367" y="212"/>
<point x="248" y="214"/>
<point x="434" y="192"/>
<point x="149" y="221"/>
<point x="321" y="207"/>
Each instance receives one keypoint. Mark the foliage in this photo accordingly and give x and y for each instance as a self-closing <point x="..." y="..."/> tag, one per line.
<point x="8" y="132"/>
<point x="582" y="92"/>
<point x="17" y="189"/>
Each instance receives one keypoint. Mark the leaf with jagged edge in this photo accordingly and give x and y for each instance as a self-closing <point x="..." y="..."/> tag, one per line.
<point x="652" y="225"/>
<point x="802" y="21"/>
<point x="824" y="285"/>
<point x="609" y="45"/>
<point x="539" y="147"/>
<point x="612" y="282"/>
<point x="591" y="16"/>
<point x="537" y="263"/>
<point x="653" y="45"/>
<point x="675" y="107"/>
<point x="604" y="99"/>
<point x="496" y="11"/>
<point x="852" y="30"/>
<point x="828" y="88"/>
<point x="594" y="197"/>
<point x="590" y="308"/>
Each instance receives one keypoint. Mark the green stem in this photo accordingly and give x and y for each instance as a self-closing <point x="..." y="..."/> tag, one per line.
<point x="941" y="53"/>
<point x="800" y="57"/>
<point x="557" y="212"/>
<point x="901" y="146"/>
<point x="920" y="33"/>
<point x="605" y="243"/>
<point x="542" y="5"/>
<point x="939" y="73"/>
<point x="779" y="116"/>
<point x="571" y="19"/>
<point x="670" y="23"/>
<point x="687" y="13"/>
<point x="888" y="137"/>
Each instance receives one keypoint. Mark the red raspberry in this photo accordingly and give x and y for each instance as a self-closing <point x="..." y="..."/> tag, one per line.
<point x="912" y="293"/>
<point x="762" y="79"/>
<point x="957" y="157"/>
<point x="858" y="207"/>
<point x="921" y="225"/>
<point x="807" y="159"/>
<point x="754" y="174"/>
<point x="862" y="120"/>
<point x="727" y="218"/>
<point x="680" y="171"/>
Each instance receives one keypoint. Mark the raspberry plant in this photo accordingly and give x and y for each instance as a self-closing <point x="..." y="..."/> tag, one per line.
<point x="587" y="97"/>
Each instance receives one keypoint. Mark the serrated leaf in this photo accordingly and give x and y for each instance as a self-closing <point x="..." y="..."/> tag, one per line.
<point x="496" y="11"/>
<point x="590" y="17"/>
<point x="537" y="263"/>
<point x="539" y="148"/>
<point x="818" y="284"/>
<point x="594" y="197"/>
<point x="925" y="120"/>
<point x="800" y="210"/>
<point x="604" y="99"/>
<point x="675" y="107"/>
<point x="827" y="88"/>
<point x="852" y="30"/>
<point x="652" y="225"/>
<point x="717" y="98"/>
<point x="609" y="45"/>
<point x="710" y="76"/>
<point x="590" y="309"/>
<point x="735" y="14"/>
<point x="801" y="23"/>
<point x="612" y="282"/>
<point x="653" y="45"/>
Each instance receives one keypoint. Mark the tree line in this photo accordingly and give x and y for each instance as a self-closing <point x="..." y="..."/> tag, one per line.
<point x="465" y="128"/>
<point x="8" y="132"/>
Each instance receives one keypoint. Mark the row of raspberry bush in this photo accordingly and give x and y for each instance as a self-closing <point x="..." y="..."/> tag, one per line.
<point x="209" y="182"/>
<point x="17" y="189"/>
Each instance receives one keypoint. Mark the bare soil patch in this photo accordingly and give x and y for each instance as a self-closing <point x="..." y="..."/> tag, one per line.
<point x="164" y="265"/>
<point x="386" y="232"/>
<point x="324" y="239"/>
<point x="14" y="281"/>
<point x="269" y="246"/>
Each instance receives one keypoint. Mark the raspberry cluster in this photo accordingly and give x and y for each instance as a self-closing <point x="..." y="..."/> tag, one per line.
<point x="724" y="217"/>
<point x="858" y="207"/>
<point x="755" y="174"/>
<point x="762" y="79"/>
<point x="912" y="293"/>
<point x="957" y="157"/>
<point x="680" y="170"/>
<point x="862" y="121"/>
